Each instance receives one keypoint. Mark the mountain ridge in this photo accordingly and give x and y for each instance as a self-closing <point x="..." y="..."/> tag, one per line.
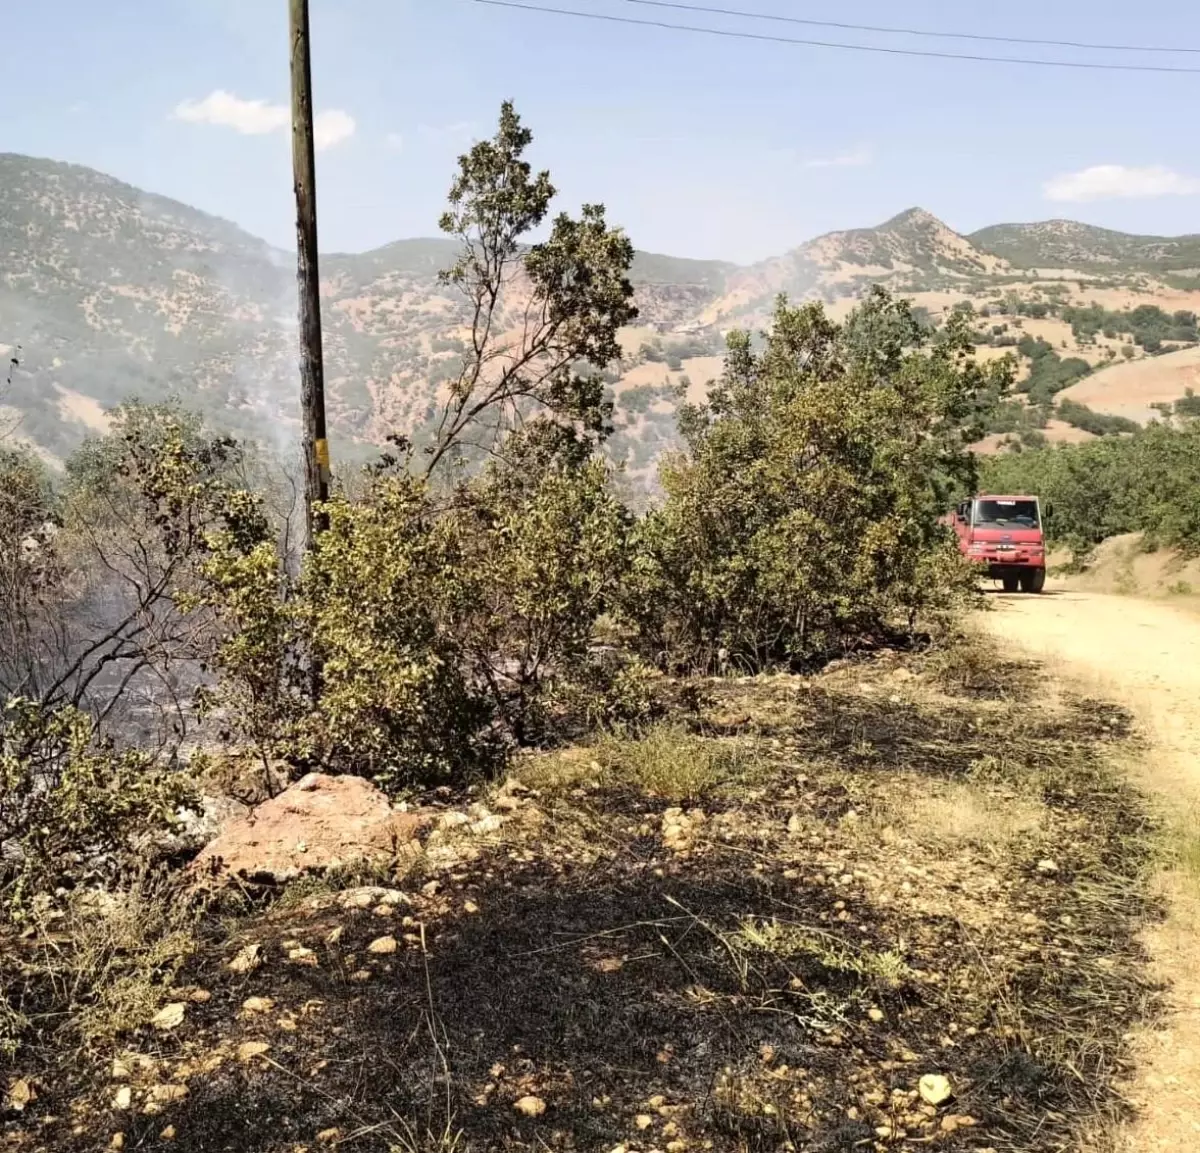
<point x="113" y="291"/>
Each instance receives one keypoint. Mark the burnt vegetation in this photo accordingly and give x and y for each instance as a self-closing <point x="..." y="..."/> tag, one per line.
<point x="858" y="893"/>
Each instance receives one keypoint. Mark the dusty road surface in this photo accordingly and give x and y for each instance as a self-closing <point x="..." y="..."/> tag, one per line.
<point x="1146" y="655"/>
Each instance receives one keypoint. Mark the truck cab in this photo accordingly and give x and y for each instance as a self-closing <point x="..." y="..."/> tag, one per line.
<point x="1004" y="534"/>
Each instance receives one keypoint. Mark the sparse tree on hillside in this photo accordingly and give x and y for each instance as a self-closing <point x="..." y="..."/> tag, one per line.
<point x="536" y="311"/>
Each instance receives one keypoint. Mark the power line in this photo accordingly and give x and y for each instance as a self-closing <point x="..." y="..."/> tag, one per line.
<point x="875" y="48"/>
<point x="906" y="31"/>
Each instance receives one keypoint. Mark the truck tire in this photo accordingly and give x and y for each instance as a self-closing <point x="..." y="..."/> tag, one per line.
<point x="1010" y="583"/>
<point x="1033" y="582"/>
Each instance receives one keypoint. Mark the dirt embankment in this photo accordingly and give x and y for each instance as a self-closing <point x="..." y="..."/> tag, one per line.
<point x="1124" y="566"/>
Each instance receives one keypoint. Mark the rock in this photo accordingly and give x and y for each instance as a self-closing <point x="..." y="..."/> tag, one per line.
<point x="382" y="946"/>
<point x="1047" y="866"/>
<point x="168" y="1134"/>
<point x="530" y="1106"/>
<point x="165" y="1094"/>
<point x="643" y="1121"/>
<point x="258" y="1005"/>
<point x="470" y="907"/>
<point x="21" y="1094"/>
<point x="123" y="1098"/>
<point x="935" y="1089"/>
<point x="169" y="1016"/>
<point x="247" y="960"/>
<point x="117" y="1141"/>
<point x="319" y="823"/>
<point x="200" y="996"/>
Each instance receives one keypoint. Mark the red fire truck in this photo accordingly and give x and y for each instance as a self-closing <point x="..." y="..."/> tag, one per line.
<point x="1004" y="533"/>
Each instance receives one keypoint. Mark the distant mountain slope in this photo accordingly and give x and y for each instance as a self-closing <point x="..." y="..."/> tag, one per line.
<point x="1069" y="244"/>
<point x="113" y="292"/>
<point x="911" y="252"/>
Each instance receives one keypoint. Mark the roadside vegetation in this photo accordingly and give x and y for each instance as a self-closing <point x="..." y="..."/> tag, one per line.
<point x="1148" y="482"/>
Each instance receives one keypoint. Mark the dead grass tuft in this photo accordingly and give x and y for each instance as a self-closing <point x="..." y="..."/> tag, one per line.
<point x="668" y="761"/>
<point x="963" y="813"/>
<point x="99" y="965"/>
<point x="974" y="666"/>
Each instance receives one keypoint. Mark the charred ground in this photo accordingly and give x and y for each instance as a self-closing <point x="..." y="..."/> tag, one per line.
<point x="755" y="929"/>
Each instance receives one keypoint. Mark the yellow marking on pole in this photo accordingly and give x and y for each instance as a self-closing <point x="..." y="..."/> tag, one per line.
<point x="322" y="450"/>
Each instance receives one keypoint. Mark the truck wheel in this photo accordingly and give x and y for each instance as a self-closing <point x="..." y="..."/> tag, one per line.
<point x="1033" y="582"/>
<point x="1010" y="584"/>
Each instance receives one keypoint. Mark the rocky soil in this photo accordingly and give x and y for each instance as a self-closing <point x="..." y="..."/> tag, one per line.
<point x="895" y="906"/>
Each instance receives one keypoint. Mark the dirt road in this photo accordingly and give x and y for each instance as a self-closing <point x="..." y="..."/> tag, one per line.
<point x="1146" y="655"/>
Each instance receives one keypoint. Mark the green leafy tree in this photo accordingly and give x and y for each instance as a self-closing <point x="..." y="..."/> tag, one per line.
<point x="545" y="551"/>
<point x="1146" y="482"/>
<point x="565" y="298"/>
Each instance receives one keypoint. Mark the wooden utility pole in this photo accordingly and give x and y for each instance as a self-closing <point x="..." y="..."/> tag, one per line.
<point x="312" y="363"/>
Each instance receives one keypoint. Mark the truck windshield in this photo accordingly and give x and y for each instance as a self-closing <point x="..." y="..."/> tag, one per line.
<point x="1006" y="514"/>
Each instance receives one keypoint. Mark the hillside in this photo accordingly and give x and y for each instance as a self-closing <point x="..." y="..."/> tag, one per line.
<point x="113" y="292"/>
<point x="1068" y="244"/>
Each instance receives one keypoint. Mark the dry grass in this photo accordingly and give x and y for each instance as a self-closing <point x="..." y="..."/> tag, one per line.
<point x="99" y="965"/>
<point x="690" y="940"/>
<point x="668" y="761"/>
<point x="962" y="813"/>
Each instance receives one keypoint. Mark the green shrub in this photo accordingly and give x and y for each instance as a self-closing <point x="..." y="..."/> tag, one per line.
<point x="1099" y="424"/>
<point x="1147" y="482"/>
<point x="73" y="805"/>
<point x="802" y="518"/>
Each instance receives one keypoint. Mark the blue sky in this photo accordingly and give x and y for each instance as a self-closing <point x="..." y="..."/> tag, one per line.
<point x="699" y="146"/>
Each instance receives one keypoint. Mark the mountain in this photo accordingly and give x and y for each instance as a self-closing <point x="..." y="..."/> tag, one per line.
<point x="911" y="252"/>
<point x="1069" y="244"/>
<point x="113" y="292"/>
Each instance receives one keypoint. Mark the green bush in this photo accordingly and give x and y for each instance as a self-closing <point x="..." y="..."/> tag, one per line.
<point x="73" y="805"/>
<point x="1049" y="374"/>
<point x="1099" y="424"/>
<point x="1148" y="324"/>
<point x="802" y="519"/>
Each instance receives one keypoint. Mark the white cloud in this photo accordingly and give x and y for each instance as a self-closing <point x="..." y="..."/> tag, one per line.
<point x="859" y="158"/>
<point x="1120" y="182"/>
<point x="394" y="141"/>
<point x="259" y="118"/>
<point x="249" y="117"/>
<point x="331" y="128"/>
